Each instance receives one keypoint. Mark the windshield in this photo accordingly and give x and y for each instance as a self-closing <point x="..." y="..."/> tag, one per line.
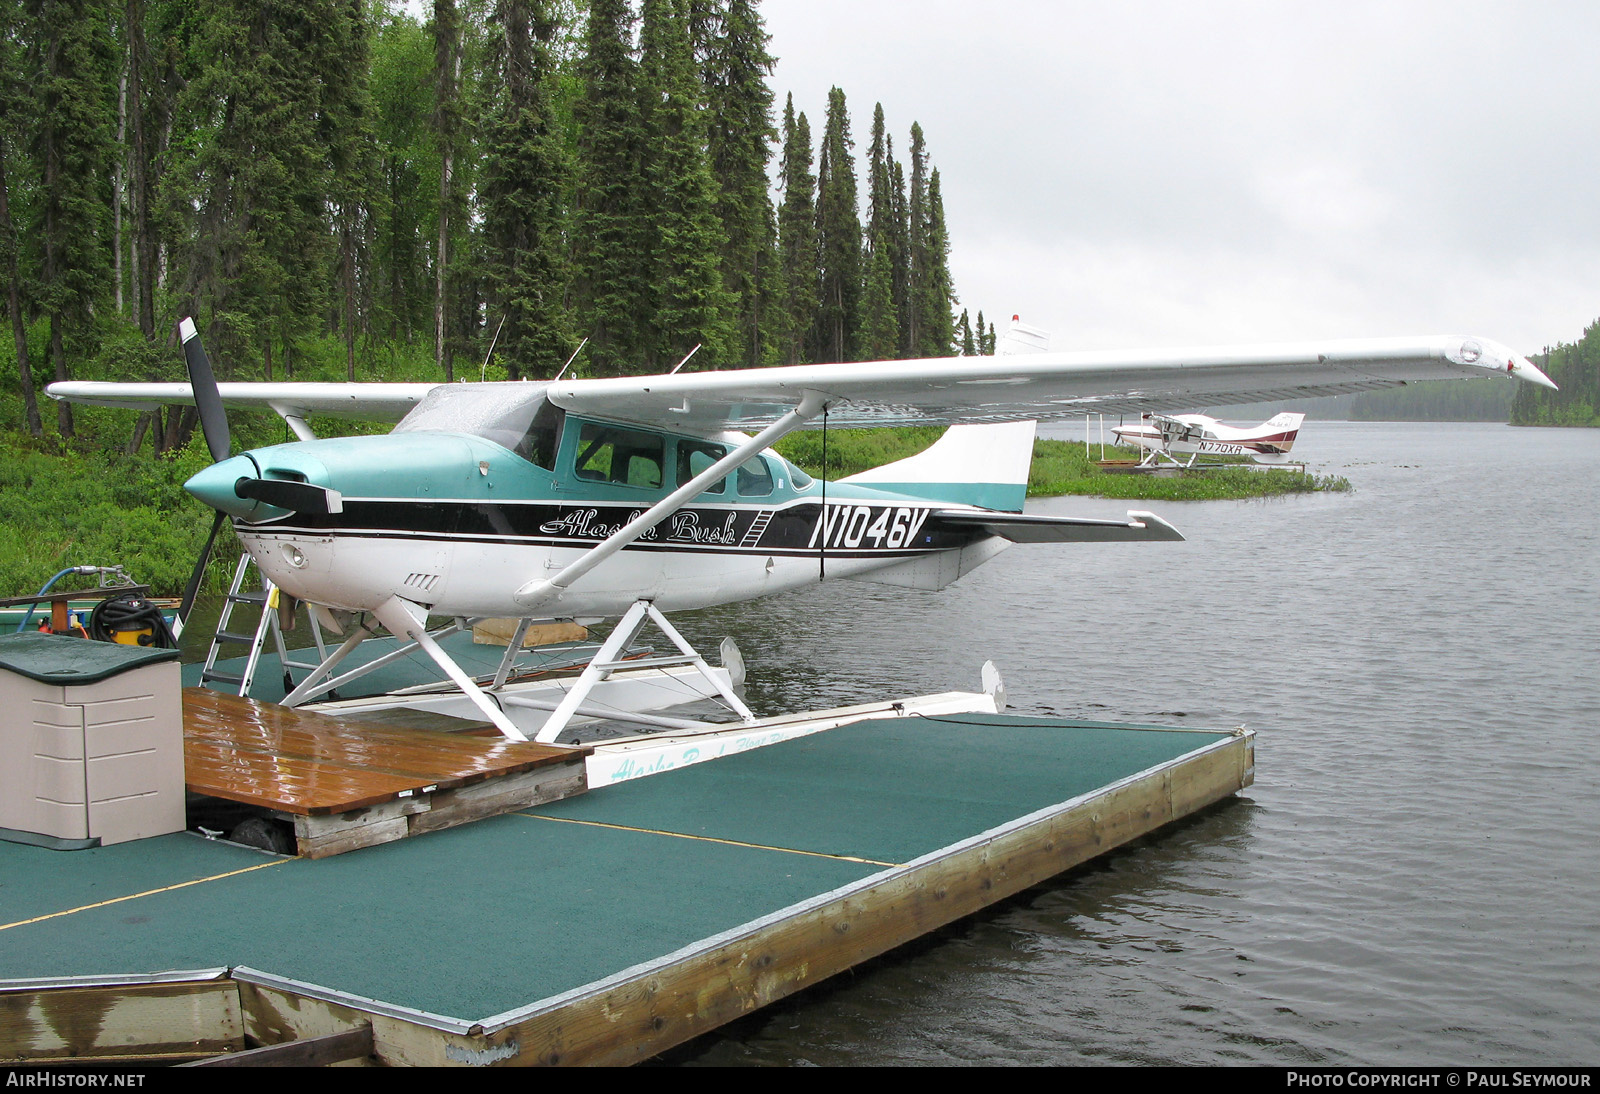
<point x="501" y="413"/>
<point x="797" y="477"/>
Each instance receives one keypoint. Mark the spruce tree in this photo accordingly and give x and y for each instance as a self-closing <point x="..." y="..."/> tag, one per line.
<point x="402" y="78"/>
<point x="448" y="119"/>
<point x="15" y="115"/>
<point x="881" y="304"/>
<point x="271" y="118"/>
<point x="880" y="206"/>
<point x="797" y="238"/>
<point x="917" y="247"/>
<point x="72" y="77"/>
<point x="880" y="327"/>
<point x="836" y="332"/>
<point x="611" y="235"/>
<point x="146" y="113"/>
<point x="930" y="293"/>
<point x="939" y="294"/>
<point x="691" y="306"/>
<point x="900" y="248"/>
<point x="739" y="140"/>
<point x="969" y="348"/>
<point x="346" y="120"/>
<point x="523" y="175"/>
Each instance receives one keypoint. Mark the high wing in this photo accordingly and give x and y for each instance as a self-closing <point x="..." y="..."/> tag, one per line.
<point x="1038" y="386"/>
<point x="934" y="391"/>
<point x="366" y="402"/>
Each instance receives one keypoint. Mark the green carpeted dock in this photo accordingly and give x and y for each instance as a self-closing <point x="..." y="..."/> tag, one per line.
<point x="602" y="928"/>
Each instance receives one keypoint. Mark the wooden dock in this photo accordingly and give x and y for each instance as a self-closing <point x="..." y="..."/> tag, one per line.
<point x="680" y="900"/>
<point x="345" y="785"/>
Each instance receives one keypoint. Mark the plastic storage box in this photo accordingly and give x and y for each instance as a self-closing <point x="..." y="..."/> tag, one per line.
<point x="91" y="741"/>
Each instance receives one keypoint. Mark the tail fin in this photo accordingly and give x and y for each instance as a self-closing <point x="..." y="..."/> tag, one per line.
<point x="984" y="465"/>
<point x="1288" y="426"/>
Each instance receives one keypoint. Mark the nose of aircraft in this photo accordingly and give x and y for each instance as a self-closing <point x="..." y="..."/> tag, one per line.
<point x="267" y="484"/>
<point x="217" y="486"/>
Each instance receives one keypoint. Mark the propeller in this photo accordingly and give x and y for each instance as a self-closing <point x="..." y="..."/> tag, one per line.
<point x="214" y="427"/>
<point x="192" y="589"/>
<point x="207" y="400"/>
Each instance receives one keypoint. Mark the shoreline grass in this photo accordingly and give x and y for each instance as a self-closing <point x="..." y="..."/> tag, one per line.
<point x="1059" y="467"/>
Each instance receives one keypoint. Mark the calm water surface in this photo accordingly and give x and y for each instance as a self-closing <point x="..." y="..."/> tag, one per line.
<point x="1413" y="877"/>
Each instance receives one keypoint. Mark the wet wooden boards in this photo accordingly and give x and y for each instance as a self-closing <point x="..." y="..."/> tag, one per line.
<point x="353" y="784"/>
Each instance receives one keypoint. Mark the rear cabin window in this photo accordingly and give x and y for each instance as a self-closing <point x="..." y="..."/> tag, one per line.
<point x="694" y="457"/>
<point x="755" y="478"/>
<point x="625" y="457"/>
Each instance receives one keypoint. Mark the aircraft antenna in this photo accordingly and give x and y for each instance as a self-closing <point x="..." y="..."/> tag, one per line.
<point x="685" y="360"/>
<point x="571" y="359"/>
<point x="483" y="374"/>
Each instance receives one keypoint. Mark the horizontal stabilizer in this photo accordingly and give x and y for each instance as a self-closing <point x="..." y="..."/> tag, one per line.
<point x="1028" y="528"/>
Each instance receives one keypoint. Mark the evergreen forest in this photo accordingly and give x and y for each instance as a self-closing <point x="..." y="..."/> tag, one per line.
<point x="1575" y="368"/>
<point x="335" y="190"/>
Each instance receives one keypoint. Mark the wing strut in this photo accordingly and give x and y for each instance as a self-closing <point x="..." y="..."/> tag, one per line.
<point x="407" y="620"/>
<point x="537" y="592"/>
<point x="609" y="659"/>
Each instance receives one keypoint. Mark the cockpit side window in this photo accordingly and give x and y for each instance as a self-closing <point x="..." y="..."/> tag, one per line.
<point x="625" y="457"/>
<point x="755" y="478"/>
<point x="694" y="457"/>
<point x="538" y="446"/>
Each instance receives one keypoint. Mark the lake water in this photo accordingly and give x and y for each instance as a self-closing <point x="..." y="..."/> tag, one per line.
<point x="1413" y="878"/>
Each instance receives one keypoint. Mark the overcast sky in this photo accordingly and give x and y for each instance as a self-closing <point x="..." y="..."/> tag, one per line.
<point x="1134" y="174"/>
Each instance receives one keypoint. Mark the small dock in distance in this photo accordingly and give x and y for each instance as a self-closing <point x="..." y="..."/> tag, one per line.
<point x="1173" y="470"/>
<point x="602" y="928"/>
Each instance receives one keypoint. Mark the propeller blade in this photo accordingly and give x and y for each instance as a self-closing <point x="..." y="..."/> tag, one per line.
<point x="192" y="590"/>
<point x="298" y="497"/>
<point x="213" y="419"/>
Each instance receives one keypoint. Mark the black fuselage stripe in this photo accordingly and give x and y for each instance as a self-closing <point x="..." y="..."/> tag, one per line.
<point x="852" y="529"/>
<point x="578" y="545"/>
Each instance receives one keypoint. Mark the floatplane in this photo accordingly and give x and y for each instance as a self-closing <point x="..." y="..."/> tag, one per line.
<point x="1168" y="436"/>
<point x="628" y="498"/>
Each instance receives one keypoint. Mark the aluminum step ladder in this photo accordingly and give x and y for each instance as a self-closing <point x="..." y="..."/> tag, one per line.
<point x="265" y="601"/>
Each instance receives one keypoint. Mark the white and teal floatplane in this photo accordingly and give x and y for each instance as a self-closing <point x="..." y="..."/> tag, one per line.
<point x="625" y="498"/>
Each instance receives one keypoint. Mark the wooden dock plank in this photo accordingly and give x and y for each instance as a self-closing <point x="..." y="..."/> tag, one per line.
<point x="309" y="789"/>
<point x="308" y="764"/>
<point x="165" y="1021"/>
